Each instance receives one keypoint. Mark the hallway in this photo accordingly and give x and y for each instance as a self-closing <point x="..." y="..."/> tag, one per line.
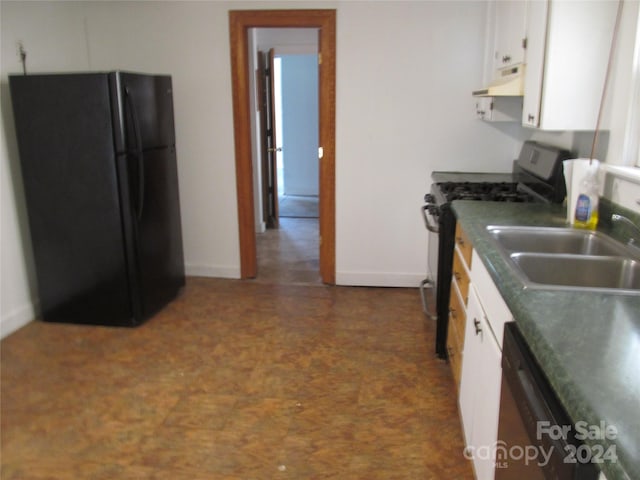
<point x="289" y="254"/>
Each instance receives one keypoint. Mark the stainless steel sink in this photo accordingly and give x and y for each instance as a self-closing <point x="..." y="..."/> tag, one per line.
<point x="579" y="272"/>
<point x="568" y="259"/>
<point x="556" y="240"/>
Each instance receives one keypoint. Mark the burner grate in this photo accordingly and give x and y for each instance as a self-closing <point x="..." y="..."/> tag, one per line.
<point x="484" y="191"/>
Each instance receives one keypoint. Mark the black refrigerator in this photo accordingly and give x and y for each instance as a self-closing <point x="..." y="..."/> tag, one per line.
<point x="98" y="161"/>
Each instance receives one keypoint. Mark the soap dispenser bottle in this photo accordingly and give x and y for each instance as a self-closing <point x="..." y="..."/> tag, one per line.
<point x="586" y="214"/>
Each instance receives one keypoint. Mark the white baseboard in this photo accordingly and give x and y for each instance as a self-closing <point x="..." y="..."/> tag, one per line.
<point x="379" y="279"/>
<point x="16" y="319"/>
<point x="212" y="271"/>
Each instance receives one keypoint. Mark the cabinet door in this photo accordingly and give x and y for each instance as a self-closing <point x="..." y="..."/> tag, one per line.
<point x="579" y="35"/>
<point x="487" y="405"/>
<point x="480" y="388"/>
<point x="510" y="33"/>
<point x="536" y="35"/>
<point x="470" y="378"/>
<point x="568" y="46"/>
<point x="484" y="107"/>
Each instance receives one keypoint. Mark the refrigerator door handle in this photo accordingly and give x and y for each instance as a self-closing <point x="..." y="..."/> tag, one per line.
<point x="138" y="151"/>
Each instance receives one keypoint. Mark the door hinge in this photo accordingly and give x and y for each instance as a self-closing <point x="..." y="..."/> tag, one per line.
<point x="319" y="58"/>
<point x="320" y="152"/>
<point x="524" y="43"/>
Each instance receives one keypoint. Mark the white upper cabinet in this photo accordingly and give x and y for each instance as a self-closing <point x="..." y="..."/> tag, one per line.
<point x="568" y="44"/>
<point x="499" y="109"/>
<point x="510" y="32"/>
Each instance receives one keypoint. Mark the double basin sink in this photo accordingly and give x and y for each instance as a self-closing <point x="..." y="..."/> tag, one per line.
<point x="569" y="259"/>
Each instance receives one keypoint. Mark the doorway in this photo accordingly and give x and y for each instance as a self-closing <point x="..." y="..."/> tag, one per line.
<point x="240" y="22"/>
<point x="296" y="119"/>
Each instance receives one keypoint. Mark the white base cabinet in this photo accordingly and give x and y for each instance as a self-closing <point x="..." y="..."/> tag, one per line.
<point x="480" y="389"/>
<point x="481" y="373"/>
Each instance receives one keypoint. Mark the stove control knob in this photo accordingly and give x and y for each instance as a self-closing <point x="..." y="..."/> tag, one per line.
<point x="428" y="198"/>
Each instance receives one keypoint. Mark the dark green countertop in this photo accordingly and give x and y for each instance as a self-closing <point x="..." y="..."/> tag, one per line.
<point x="588" y="344"/>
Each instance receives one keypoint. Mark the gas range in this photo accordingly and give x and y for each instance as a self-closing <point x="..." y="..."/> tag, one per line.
<point x="485" y="191"/>
<point x="536" y="177"/>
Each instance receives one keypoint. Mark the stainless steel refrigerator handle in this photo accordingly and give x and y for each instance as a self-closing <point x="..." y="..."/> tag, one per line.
<point x="138" y="152"/>
<point x="425" y="216"/>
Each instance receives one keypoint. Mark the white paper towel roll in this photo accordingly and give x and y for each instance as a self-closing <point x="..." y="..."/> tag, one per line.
<point x="575" y="171"/>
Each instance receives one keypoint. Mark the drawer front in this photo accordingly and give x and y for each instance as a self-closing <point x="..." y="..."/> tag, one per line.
<point x="455" y="333"/>
<point x="461" y="276"/>
<point x="457" y="312"/>
<point x="464" y="245"/>
<point x="454" y="350"/>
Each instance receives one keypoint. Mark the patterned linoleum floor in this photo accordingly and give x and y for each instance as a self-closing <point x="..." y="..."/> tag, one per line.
<point x="298" y="206"/>
<point x="236" y="380"/>
<point x="290" y="253"/>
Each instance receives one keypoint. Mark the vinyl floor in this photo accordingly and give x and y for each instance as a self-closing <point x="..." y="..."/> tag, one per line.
<point x="298" y="206"/>
<point x="236" y="380"/>
<point x="290" y="254"/>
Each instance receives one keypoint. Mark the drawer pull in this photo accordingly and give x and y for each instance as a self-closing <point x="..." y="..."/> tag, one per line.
<point x="476" y="324"/>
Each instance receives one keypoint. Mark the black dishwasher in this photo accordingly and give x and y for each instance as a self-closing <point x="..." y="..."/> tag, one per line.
<point x="536" y="438"/>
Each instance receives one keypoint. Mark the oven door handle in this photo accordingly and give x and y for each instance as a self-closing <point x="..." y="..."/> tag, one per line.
<point x="425" y="216"/>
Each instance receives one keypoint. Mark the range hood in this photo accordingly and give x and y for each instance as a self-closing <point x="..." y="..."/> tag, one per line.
<point x="509" y="84"/>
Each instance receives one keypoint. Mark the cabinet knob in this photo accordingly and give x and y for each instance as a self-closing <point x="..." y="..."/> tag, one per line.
<point x="457" y="275"/>
<point x="476" y="324"/>
<point x="452" y="311"/>
<point x="460" y="241"/>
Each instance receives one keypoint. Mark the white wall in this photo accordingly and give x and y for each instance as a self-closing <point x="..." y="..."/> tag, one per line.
<point x="404" y="108"/>
<point x="405" y="71"/>
<point x="188" y="40"/>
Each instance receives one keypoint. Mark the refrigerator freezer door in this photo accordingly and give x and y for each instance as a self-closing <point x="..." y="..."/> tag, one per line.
<point x="144" y="108"/>
<point x="65" y="139"/>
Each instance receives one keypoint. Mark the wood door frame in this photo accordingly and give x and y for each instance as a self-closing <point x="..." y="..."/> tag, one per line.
<point x="240" y="21"/>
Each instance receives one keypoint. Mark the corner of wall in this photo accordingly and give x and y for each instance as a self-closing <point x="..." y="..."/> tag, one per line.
<point x="16" y="319"/>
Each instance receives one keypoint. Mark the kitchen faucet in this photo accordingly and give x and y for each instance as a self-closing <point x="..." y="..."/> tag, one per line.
<point x="621" y="218"/>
